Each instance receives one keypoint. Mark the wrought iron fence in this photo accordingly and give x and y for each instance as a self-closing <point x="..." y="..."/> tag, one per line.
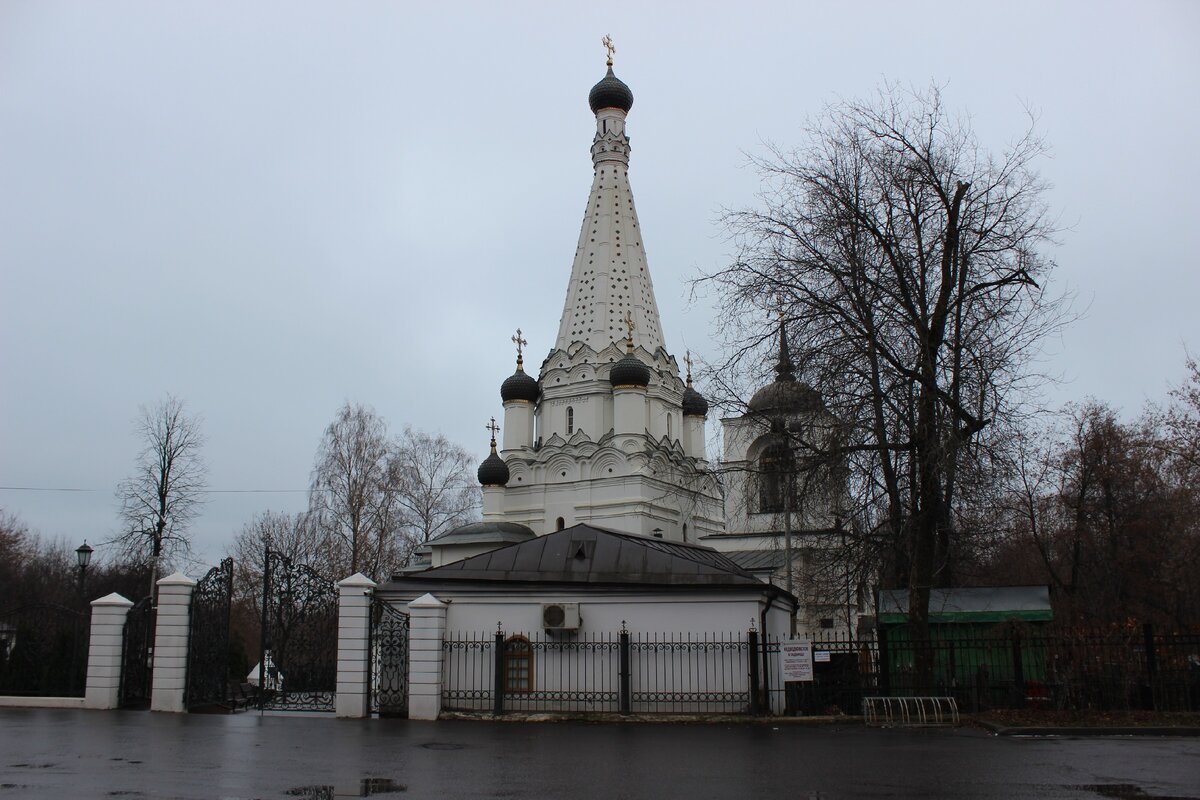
<point x="43" y="651"/>
<point x="208" y="640"/>
<point x="137" y="655"/>
<point x="297" y="668"/>
<point x="606" y="672"/>
<point x="1007" y="666"/>
<point x="388" y="654"/>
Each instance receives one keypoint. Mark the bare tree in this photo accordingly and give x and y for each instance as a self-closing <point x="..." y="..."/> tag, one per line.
<point x="906" y="260"/>
<point x="164" y="494"/>
<point x="296" y="537"/>
<point x="293" y="535"/>
<point x="1105" y="512"/>
<point x="434" y="484"/>
<point x="350" y="498"/>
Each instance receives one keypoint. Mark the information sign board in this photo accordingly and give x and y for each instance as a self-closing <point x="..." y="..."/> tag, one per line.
<point x="797" y="660"/>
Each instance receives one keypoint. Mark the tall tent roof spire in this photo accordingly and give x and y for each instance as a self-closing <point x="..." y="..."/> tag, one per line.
<point x="610" y="278"/>
<point x="785" y="370"/>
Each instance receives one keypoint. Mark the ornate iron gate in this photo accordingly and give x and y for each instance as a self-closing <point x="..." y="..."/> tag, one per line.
<point x="43" y="651"/>
<point x="298" y="666"/>
<point x="389" y="660"/>
<point x="208" y="639"/>
<point x="137" y="655"/>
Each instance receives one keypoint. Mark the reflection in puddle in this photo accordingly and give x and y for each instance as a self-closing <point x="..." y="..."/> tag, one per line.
<point x="365" y="788"/>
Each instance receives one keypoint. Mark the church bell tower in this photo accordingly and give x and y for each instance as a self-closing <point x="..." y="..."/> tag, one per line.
<point x="608" y="433"/>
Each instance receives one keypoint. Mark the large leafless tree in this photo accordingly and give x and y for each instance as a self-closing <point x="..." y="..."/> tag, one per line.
<point x="375" y="498"/>
<point x="162" y="497"/>
<point x="435" y="487"/>
<point x="350" y="498"/>
<point x="908" y="263"/>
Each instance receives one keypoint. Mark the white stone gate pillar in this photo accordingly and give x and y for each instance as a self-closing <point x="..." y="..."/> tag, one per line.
<point x="427" y="628"/>
<point x="172" y="627"/>
<point x="354" y="646"/>
<point x="105" y="646"/>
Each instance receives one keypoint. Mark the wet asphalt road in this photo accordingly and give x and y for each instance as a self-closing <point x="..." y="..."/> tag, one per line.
<point x="89" y="754"/>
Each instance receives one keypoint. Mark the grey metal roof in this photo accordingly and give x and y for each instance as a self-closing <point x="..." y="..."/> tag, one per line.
<point x="486" y="533"/>
<point x="756" y="560"/>
<point x="971" y="600"/>
<point x="587" y="554"/>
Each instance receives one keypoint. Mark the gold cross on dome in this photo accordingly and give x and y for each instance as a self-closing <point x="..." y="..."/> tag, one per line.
<point x="608" y="45"/>
<point x="519" y="342"/>
<point x="687" y="359"/>
<point x="494" y="428"/>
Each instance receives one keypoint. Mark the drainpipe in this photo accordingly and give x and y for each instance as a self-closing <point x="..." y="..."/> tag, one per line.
<point x="762" y="626"/>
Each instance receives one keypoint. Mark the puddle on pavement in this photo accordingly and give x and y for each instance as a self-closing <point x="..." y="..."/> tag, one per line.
<point x="1124" y="791"/>
<point x="367" y="787"/>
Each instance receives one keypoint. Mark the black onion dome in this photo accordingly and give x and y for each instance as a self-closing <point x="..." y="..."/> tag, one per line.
<point x="519" y="386"/>
<point x="493" y="471"/>
<point x="694" y="403"/>
<point x="629" y="371"/>
<point x="785" y="396"/>
<point x="610" y="92"/>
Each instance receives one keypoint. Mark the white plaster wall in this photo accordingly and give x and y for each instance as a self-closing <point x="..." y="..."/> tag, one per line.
<point x="715" y="612"/>
<point x="518" y="425"/>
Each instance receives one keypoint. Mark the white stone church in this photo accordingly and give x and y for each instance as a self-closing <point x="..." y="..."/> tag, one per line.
<point x="610" y="436"/>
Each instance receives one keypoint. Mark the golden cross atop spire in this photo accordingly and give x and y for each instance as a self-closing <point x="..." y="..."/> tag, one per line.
<point x="687" y="359"/>
<point x="494" y="428"/>
<point x="520" y="343"/>
<point x="608" y="45"/>
<point x="629" y="326"/>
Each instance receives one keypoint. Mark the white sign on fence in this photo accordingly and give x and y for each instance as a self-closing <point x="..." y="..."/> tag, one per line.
<point x="797" y="660"/>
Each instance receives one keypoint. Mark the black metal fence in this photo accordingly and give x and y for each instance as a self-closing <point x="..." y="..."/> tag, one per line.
<point x="298" y="663"/>
<point x="609" y="672"/>
<point x="1008" y="666"/>
<point x="387" y="652"/>
<point x="43" y="651"/>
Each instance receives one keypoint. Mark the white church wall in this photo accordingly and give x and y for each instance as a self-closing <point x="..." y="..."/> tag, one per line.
<point x="650" y="612"/>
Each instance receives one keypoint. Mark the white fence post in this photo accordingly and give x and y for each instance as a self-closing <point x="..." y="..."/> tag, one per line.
<point x="427" y="628"/>
<point x="105" y="644"/>
<point x="172" y="620"/>
<point x="353" y="645"/>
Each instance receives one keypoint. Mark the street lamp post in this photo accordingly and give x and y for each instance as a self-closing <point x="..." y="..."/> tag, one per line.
<point x="83" y="556"/>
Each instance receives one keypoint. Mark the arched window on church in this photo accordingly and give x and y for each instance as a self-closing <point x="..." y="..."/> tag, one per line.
<point x="570" y="420"/>
<point x="774" y="475"/>
<point x="685" y="531"/>
<point x="518" y="665"/>
<point x="559" y="524"/>
<point x="668" y="427"/>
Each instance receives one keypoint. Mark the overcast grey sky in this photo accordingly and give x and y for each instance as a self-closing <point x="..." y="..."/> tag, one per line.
<point x="269" y="208"/>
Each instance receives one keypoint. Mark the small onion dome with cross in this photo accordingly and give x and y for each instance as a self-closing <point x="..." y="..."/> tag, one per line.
<point x="629" y="371"/>
<point x="694" y="404"/>
<point x="493" y="471"/>
<point x="519" y="386"/>
<point x="610" y="92"/>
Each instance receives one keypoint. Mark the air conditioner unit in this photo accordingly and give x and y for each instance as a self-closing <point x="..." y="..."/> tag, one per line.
<point x="560" y="616"/>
